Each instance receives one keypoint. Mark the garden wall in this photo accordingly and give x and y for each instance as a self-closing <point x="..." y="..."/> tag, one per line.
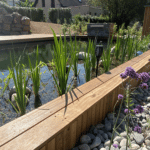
<point x="13" y="24"/>
<point x="47" y="128"/>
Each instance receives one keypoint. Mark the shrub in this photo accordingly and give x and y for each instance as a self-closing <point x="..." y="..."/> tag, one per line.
<point x="35" y="14"/>
<point x="61" y="14"/>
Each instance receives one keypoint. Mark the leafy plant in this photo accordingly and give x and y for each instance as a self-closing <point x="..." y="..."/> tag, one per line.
<point x="74" y="55"/>
<point x="60" y="59"/>
<point x="27" y="3"/>
<point x="35" y="74"/>
<point x="87" y="64"/>
<point x="20" y="81"/>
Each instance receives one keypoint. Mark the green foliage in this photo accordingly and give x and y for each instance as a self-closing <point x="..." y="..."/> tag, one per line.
<point x="60" y="59"/>
<point x="74" y="51"/>
<point x="35" y="14"/>
<point x="61" y="14"/>
<point x="91" y="19"/>
<point x="87" y="63"/>
<point x="20" y="80"/>
<point x="35" y="74"/>
<point x="27" y="3"/>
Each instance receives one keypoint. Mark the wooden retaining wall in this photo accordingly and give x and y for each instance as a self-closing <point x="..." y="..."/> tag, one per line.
<point x="146" y="24"/>
<point x="47" y="128"/>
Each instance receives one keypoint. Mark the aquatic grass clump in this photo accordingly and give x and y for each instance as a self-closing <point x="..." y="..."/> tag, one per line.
<point x="35" y="74"/>
<point x="87" y="63"/>
<point x="20" y="80"/>
<point x="60" y="59"/>
<point x="74" y="51"/>
<point x="92" y="46"/>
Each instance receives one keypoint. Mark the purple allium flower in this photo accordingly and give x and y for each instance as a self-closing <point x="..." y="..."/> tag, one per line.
<point x="126" y="111"/>
<point x="135" y="110"/>
<point x="144" y="76"/>
<point x="131" y="73"/>
<point x="115" y="145"/>
<point x="140" y="108"/>
<point x="120" y="96"/>
<point x="137" y="129"/>
<point x="144" y="86"/>
<point x="123" y="75"/>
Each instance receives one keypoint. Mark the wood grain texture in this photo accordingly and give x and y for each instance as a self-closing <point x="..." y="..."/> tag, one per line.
<point x="51" y="145"/>
<point x="55" y="124"/>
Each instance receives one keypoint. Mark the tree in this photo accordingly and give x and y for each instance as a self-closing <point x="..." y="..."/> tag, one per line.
<point x="122" y="11"/>
<point x="27" y="3"/>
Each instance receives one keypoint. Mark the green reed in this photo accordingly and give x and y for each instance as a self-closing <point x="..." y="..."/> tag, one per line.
<point x="87" y="63"/>
<point x="92" y="46"/>
<point x="20" y="81"/>
<point x="35" y="74"/>
<point x="60" y="59"/>
<point x="74" y="51"/>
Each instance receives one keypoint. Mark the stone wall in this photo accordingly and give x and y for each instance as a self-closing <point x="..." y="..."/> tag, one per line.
<point x="13" y="24"/>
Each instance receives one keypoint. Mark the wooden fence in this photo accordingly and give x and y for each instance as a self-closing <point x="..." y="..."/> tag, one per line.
<point x="146" y="24"/>
<point x="47" y="128"/>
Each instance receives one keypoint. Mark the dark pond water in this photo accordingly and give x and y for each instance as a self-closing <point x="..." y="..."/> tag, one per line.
<point x="47" y="90"/>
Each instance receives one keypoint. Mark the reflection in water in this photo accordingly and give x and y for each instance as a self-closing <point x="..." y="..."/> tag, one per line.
<point x="37" y="101"/>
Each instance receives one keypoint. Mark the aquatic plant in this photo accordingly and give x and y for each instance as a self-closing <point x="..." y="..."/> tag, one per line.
<point x="92" y="46"/>
<point x="60" y="59"/>
<point x="74" y="51"/>
<point x="20" y="80"/>
<point x="87" y="64"/>
<point x="35" y="74"/>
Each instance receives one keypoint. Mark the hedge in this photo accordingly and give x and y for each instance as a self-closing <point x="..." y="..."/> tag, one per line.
<point x="92" y="19"/>
<point x="61" y="14"/>
<point x="35" y="14"/>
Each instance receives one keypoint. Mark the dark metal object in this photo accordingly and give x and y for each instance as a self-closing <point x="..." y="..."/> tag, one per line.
<point x="98" y="53"/>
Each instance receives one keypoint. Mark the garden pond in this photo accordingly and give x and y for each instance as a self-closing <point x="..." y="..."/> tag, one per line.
<point x="47" y="90"/>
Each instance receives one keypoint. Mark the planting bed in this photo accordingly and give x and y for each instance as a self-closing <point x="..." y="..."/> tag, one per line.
<point x="45" y="127"/>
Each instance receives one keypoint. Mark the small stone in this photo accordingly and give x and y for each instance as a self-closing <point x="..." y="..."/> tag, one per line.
<point x="75" y="148"/>
<point x="110" y="116"/>
<point x="96" y="142"/>
<point x="123" y="142"/>
<point x="147" y="142"/>
<point x="148" y="98"/>
<point x="103" y="149"/>
<point x="99" y="126"/>
<point x="138" y="138"/>
<point x="109" y="134"/>
<point x="105" y="136"/>
<point x="92" y="136"/>
<point x="102" y="139"/>
<point x="107" y="143"/>
<point x="25" y="20"/>
<point x="148" y="137"/>
<point x="144" y="121"/>
<point x="95" y="131"/>
<point x="85" y="139"/>
<point x="124" y="148"/>
<point x="100" y="131"/>
<point x="100" y="146"/>
<point x="144" y="148"/>
<point x="118" y="139"/>
<point x="123" y="134"/>
<point x="84" y="147"/>
<point x="108" y="126"/>
<point x="134" y="146"/>
<point x="95" y="148"/>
